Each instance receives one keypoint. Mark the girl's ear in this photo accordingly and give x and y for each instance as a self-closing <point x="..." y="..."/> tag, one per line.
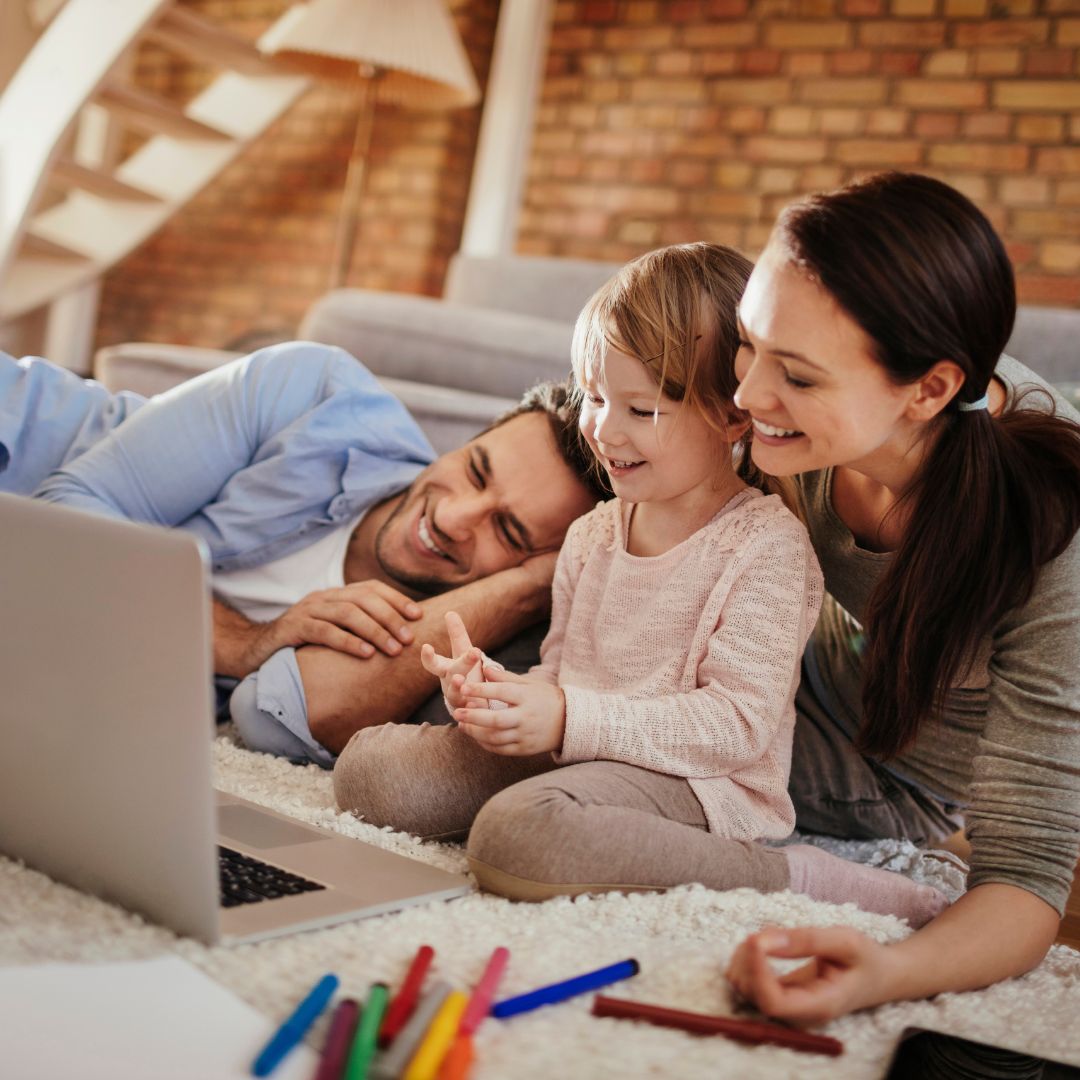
<point x="935" y="390"/>
<point x="736" y="425"/>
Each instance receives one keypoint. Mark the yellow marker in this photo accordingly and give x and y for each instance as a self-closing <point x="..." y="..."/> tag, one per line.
<point x="427" y="1059"/>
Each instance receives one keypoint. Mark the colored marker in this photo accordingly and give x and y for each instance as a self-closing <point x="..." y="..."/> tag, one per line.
<point x="367" y="1031"/>
<point x="456" y="1064"/>
<point x="405" y="999"/>
<point x="336" y="1047"/>
<point x="753" y="1032"/>
<point x="295" y="1027"/>
<point x="430" y="1053"/>
<point x="391" y="1063"/>
<point x="480" y="1002"/>
<point x="549" y="995"/>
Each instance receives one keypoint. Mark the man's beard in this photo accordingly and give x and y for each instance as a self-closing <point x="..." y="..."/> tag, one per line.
<point x="418" y="583"/>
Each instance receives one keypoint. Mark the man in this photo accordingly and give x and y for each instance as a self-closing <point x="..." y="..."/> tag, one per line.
<point x="294" y="466"/>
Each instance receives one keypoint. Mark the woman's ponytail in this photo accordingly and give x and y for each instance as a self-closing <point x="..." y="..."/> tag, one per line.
<point x="997" y="498"/>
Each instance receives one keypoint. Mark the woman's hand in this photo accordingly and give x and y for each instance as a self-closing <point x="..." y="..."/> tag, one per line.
<point x="846" y="971"/>
<point x="532" y="721"/>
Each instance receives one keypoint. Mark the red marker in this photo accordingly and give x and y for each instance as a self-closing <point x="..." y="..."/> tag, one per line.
<point x="753" y="1032"/>
<point x="401" y="1007"/>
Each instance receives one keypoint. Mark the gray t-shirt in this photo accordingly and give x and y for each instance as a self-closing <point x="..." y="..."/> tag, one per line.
<point x="1006" y="745"/>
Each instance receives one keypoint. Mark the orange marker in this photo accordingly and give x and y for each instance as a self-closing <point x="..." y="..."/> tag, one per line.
<point x="456" y="1064"/>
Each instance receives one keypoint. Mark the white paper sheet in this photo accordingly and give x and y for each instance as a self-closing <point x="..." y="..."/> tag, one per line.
<point x="158" y="1018"/>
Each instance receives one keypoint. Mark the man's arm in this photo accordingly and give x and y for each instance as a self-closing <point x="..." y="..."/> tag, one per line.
<point x="345" y="693"/>
<point x="49" y="415"/>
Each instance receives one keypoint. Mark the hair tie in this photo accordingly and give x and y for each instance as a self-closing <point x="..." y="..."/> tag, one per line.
<point x="974" y="406"/>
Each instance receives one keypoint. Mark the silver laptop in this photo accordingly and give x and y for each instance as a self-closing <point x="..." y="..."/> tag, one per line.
<point x="106" y="720"/>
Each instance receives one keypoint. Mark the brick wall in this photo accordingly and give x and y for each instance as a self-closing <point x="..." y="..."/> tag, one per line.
<point x="253" y="250"/>
<point x="659" y="122"/>
<point x="698" y="119"/>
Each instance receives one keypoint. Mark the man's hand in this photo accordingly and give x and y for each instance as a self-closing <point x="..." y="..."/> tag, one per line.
<point x="452" y="671"/>
<point x="533" y="721"/>
<point x="356" y="619"/>
<point x="847" y="971"/>
<point x="344" y="695"/>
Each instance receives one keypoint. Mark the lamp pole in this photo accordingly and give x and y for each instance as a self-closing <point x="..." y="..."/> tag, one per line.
<point x="349" y="214"/>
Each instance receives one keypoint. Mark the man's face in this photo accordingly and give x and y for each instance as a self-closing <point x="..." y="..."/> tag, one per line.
<point x="503" y="497"/>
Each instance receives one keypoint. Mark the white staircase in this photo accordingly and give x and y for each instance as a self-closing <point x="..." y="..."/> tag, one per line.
<point x="64" y="222"/>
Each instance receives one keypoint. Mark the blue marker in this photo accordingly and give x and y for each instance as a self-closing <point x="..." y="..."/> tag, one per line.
<point x="295" y="1028"/>
<point x="548" y="995"/>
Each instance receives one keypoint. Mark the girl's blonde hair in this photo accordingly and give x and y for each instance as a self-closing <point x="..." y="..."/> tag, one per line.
<point x="674" y="310"/>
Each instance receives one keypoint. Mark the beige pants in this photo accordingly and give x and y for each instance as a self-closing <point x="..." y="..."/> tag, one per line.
<point x="536" y="829"/>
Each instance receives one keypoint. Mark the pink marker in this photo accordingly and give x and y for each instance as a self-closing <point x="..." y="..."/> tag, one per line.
<point x="480" y="1002"/>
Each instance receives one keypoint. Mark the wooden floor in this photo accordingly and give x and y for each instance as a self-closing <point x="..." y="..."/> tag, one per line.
<point x="1069" y="934"/>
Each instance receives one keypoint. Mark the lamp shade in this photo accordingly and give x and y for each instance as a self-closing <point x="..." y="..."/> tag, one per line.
<point x="413" y="45"/>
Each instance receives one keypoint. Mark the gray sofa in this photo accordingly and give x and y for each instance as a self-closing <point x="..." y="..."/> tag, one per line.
<point x="501" y="325"/>
<point x="457" y="361"/>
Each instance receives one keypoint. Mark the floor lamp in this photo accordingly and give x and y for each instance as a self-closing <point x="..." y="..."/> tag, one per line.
<point x="400" y="52"/>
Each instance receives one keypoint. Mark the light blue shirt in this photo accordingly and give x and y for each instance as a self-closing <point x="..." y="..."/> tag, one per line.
<point x="257" y="458"/>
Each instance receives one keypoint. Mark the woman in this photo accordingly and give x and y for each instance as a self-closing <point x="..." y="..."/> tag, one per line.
<point x="942" y="492"/>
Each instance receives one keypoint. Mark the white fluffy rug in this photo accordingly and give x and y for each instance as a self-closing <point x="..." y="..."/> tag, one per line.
<point x="682" y="940"/>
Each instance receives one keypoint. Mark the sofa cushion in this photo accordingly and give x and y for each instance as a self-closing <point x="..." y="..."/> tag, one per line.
<point x="424" y="340"/>
<point x="1047" y="340"/>
<point x="539" y="285"/>
<point x="449" y="417"/>
<point x="1071" y="392"/>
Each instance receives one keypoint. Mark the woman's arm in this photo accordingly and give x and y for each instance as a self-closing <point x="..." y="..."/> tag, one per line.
<point x="994" y="932"/>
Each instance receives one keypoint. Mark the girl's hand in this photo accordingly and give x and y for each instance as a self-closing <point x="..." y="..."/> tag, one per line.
<point x="532" y="722"/>
<point x="452" y="671"/>
<point x="847" y="971"/>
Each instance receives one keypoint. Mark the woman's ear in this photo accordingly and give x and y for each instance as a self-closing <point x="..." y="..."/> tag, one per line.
<point x="935" y="390"/>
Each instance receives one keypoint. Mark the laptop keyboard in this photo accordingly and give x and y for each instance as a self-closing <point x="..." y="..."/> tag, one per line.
<point x="245" y="880"/>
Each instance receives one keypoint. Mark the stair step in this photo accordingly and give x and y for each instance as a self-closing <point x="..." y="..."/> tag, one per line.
<point x="69" y="174"/>
<point x="105" y="212"/>
<point x="199" y="39"/>
<point x="153" y="115"/>
<point x="37" y="247"/>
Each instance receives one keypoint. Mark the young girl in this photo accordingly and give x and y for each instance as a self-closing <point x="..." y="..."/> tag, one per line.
<point x="652" y="744"/>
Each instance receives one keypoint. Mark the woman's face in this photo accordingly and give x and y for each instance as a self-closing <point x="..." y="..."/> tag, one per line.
<point x="808" y="378"/>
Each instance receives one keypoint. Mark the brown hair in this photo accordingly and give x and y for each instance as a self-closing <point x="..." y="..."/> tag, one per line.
<point x="559" y="403"/>
<point x="921" y="270"/>
<point x="673" y="309"/>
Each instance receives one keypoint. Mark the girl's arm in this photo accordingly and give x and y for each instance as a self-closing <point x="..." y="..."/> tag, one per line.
<point x="746" y="678"/>
<point x="567" y="571"/>
<point x="993" y="932"/>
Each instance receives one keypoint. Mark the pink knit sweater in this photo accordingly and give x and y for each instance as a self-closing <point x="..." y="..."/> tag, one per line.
<point x="686" y="663"/>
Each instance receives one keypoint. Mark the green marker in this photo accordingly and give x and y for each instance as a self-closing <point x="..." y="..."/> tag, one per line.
<point x="367" y="1032"/>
